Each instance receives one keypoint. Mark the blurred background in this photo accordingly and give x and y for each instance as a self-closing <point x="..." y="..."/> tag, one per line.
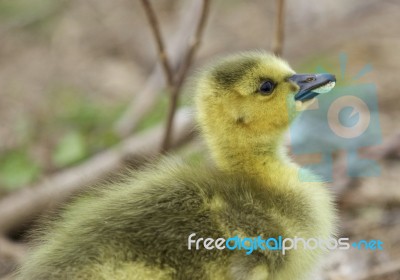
<point x="82" y="97"/>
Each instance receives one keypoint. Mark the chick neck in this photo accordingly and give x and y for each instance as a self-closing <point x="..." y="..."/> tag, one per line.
<point x="263" y="157"/>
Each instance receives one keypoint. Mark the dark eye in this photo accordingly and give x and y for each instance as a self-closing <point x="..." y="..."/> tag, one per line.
<point x="267" y="88"/>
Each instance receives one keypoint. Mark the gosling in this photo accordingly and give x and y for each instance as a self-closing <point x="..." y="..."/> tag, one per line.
<point x="151" y="225"/>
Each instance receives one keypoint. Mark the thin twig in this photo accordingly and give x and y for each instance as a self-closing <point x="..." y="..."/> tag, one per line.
<point x="145" y="99"/>
<point x="194" y="44"/>
<point x="280" y="28"/>
<point x="160" y="44"/>
<point x="22" y="207"/>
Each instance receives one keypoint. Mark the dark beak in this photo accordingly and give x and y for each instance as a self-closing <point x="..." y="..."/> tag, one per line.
<point x="310" y="82"/>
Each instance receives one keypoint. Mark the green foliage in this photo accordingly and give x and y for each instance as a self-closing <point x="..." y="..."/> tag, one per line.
<point x="72" y="129"/>
<point x="27" y="11"/>
<point x="17" y="169"/>
<point x="70" y="149"/>
<point x="85" y="126"/>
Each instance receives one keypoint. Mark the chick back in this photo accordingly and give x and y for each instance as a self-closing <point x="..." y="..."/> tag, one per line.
<point x="139" y="228"/>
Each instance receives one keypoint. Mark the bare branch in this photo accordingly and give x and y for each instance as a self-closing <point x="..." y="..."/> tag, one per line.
<point x="280" y="28"/>
<point x="194" y="44"/>
<point x="23" y="206"/>
<point x="160" y="44"/>
<point x="147" y="97"/>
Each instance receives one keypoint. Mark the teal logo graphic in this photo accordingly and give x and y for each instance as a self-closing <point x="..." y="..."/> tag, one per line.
<point x="345" y="119"/>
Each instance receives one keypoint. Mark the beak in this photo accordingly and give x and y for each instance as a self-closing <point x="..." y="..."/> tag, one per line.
<point x="312" y="85"/>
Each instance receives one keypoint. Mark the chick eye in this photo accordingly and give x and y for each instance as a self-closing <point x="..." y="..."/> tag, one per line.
<point x="267" y="87"/>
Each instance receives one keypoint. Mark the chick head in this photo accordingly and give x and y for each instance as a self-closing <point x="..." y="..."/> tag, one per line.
<point x="252" y="94"/>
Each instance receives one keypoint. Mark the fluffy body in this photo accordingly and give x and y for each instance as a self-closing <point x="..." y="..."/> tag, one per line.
<point x="139" y="229"/>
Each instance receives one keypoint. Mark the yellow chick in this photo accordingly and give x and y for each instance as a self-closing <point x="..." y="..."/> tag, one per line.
<point x="178" y="220"/>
